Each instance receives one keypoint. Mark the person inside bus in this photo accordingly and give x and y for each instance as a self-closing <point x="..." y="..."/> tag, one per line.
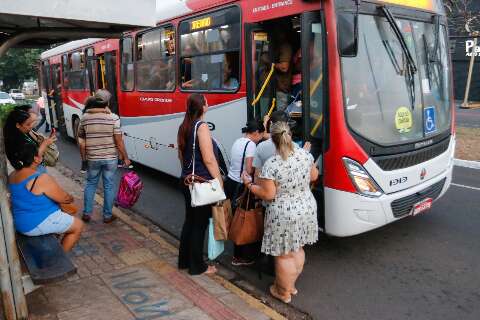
<point x="18" y="132"/>
<point x="291" y="215"/>
<point x="170" y="48"/>
<point x="229" y="81"/>
<point x="283" y="68"/>
<point x="205" y="155"/>
<point x="37" y="199"/>
<point x="241" y="159"/>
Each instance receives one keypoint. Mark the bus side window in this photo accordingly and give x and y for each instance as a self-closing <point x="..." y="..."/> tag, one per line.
<point x="155" y="65"/>
<point x="210" y="51"/>
<point x="126" y="67"/>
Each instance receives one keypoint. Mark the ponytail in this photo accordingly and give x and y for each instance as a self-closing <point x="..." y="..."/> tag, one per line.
<point x="282" y="138"/>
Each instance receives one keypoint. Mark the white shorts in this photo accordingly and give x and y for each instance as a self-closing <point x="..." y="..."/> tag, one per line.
<point x="57" y="222"/>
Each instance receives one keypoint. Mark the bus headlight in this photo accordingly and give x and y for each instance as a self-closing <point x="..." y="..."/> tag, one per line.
<point x="361" y="179"/>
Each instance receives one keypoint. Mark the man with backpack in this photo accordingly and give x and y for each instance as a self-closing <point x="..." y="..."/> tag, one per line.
<point x="100" y="138"/>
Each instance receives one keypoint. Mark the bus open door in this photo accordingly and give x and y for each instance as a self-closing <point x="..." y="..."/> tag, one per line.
<point x="303" y="41"/>
<point x="107" y="75"/>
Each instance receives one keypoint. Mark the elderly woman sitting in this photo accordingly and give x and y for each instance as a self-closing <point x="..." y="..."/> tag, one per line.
<point x="36" y="198"/>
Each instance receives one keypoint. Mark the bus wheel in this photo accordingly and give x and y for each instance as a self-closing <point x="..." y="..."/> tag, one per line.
<point x="76" y="125"/>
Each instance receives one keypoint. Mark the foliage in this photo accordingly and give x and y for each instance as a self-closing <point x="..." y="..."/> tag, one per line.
<point x="5" y="110"/>
<point x="18" y="65"/>
<point x="463" y="16"/>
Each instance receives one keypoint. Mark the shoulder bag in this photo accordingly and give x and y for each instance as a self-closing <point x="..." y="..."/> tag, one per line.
<point x="51" y="154"/>
<point x="202" y="191"/>
<point x="247" y="224"/>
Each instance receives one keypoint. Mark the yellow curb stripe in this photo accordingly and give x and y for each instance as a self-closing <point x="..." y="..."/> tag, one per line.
<point x="253" y="302"/>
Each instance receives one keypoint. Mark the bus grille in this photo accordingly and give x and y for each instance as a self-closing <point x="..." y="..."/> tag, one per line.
<point x="395" y="162"/>
<point x="402" y="207"/>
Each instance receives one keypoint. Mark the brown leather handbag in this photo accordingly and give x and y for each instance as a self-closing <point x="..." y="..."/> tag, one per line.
<point x="247" y="224"/>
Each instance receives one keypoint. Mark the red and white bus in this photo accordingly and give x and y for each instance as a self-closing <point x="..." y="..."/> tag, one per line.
<point x="374" y="79"/>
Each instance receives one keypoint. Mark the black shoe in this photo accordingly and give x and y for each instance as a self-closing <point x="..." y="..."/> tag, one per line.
<point x="110" y="219"/>
<point x="86" y="218"/>
<point x="84" y="167"/>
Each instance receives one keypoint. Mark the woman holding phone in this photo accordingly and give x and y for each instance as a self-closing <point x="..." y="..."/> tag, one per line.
<point x="18" y="132"/>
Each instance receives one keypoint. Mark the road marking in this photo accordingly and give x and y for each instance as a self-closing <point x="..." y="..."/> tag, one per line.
<point x="467" y="163"/>
<point x="464" y="186"/>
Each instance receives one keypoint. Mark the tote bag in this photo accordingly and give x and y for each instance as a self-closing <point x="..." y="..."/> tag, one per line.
<point x="247" y="224"/>
<point x="215" y="247"/>
<point x="202" y="191"/>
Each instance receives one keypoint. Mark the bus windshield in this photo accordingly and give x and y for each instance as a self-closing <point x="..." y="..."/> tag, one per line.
<point x="383" y="103"/>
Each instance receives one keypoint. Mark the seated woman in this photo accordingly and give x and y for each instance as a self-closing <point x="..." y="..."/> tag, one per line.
<point x="36" y="198"/>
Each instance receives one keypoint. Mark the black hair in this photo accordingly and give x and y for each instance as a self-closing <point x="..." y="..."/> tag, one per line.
<point x="277" y="116"/>
<point x="90" y="103"/>
<point x="24" y="107"/>
<point x="23" y="157"/>
<point x="252" y="126"/>
<point x="14" y="138"/>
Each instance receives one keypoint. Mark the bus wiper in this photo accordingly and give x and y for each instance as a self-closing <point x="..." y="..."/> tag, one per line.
<point x="411" y="69"/>
<point x="434" y="55"/>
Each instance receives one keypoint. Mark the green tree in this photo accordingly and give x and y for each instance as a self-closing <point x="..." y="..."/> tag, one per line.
<point x="18" y="65"/>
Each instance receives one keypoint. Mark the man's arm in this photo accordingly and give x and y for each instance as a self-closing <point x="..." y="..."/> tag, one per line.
<point x="121" y="148"/>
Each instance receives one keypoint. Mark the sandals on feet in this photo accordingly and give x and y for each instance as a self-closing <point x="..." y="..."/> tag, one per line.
<point x="210" y="270"/>
<point x="274" y="293"/>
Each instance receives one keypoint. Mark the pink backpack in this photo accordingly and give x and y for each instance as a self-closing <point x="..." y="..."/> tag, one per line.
<point x="129" y="190"/>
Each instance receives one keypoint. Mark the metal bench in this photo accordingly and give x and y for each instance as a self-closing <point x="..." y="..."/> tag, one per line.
<point x="44" y="258"/>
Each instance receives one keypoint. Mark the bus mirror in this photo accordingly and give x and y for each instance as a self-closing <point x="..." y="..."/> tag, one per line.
<point x="348" y="34"/>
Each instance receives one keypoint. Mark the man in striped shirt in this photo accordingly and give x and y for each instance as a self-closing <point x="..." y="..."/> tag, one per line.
<point x="100" y="138"/>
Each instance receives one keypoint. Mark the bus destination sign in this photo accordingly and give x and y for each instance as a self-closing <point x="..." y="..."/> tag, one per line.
<point x="429" y="5"/>
<point x="201" y="23"/>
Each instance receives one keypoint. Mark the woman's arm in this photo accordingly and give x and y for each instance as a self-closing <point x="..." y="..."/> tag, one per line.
<point x="264" y="189"/>
<point x="206" y="148"/>
<point x="52" y="189"/>
<point x="313" y="173"/>
<point x="248" y="165"/>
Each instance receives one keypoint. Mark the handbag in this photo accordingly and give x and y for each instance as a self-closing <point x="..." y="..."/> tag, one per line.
<point x="247" y="224"/>
<point x="202" y="191"/>
<point x="222" y="218"/>
<point x="51" y="154"/>
<point x="215" y="247"/>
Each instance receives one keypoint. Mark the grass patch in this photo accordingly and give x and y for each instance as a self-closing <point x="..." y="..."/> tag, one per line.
<point x="468" y="144"/>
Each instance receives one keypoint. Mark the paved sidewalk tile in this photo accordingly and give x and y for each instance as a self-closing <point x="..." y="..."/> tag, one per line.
<point x="124" y="274"/>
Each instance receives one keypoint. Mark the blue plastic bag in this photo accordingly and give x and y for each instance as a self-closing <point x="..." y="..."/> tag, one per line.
<point x="215" y="247"/>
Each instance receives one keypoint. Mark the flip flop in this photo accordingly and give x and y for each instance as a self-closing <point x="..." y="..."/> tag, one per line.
<point x="210" y="270"/>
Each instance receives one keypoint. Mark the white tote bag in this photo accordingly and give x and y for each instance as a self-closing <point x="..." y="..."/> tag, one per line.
<point x="203" y="191"/>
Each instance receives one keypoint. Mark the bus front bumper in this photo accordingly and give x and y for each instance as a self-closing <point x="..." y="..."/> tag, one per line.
<point x="348" y="214"/>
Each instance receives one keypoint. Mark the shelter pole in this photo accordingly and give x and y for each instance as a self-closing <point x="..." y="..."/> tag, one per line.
<point x="469" y="78"/>
<point x="13" y="261"/>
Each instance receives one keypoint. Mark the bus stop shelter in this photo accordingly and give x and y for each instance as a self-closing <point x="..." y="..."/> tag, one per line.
<point x="33" y="23"/>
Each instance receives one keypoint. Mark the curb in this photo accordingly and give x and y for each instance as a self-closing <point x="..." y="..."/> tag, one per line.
<point x="467" y="164"/>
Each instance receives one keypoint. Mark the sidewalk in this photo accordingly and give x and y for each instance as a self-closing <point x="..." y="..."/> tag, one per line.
<point x="127" y="272"/>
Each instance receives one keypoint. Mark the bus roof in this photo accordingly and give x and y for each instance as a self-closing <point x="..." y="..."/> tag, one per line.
<point x="68" y="47"/>
<point x="105" y="17"/>
<point x="427" y="5"/>
<point x="169" y="9"/>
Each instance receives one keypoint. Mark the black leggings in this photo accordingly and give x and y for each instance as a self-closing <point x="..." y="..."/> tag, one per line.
<point x="190" y="254"/>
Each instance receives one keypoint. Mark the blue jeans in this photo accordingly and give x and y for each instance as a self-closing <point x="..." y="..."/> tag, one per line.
<point x="107" y="169"/>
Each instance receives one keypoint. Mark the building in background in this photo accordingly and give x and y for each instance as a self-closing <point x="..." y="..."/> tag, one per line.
<point x="463" y="15"/>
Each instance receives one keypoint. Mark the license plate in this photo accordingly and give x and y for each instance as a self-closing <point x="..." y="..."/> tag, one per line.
<point x="422" y="206"/>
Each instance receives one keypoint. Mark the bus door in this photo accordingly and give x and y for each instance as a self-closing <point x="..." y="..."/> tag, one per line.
<point x="259" y="73"/>
<point x="313" y="102"/>
<point x="107" y="67"/>
<point x="91" y="67"/>
<point x="57" y="98"/>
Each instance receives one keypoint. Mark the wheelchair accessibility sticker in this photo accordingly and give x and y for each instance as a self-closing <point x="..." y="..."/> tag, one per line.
<point x="429" y="118"/>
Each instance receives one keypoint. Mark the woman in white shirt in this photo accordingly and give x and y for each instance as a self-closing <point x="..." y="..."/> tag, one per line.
<point x="241" y="159"/>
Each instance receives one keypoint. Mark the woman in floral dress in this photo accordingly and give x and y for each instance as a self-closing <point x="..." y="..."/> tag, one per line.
<point x="291" y="216"/>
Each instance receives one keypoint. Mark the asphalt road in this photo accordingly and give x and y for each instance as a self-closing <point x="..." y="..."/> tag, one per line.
<point x="427" y="267"/>
<point x="469" y="118"/>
